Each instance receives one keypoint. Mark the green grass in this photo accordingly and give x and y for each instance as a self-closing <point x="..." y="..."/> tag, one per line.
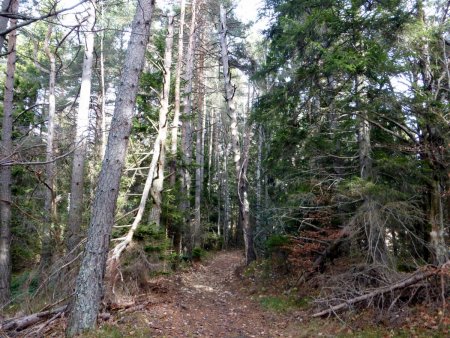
<point x="283" y="303"/>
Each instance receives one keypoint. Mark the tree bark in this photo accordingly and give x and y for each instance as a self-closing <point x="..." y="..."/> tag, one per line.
<point x="4" y="22"/>
<point x="5" y="171"/>
<point x="199" y="158"/>
<point x="229" y="95"/>
<point x="81" y="137"/>
<point x="89" y="285"/>
<point x="103" y="138"/>
<point x="153" y="185"/>
<point x="176" y="115"/>
<point x="186" y="131"/>
<point x="244" y="204"/>
<point x="158" y="182"/>
<point x="48" y="243"/>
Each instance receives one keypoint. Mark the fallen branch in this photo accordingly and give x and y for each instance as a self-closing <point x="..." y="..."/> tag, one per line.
<point x="21" y="323"/>
<point x="413" y="279"/>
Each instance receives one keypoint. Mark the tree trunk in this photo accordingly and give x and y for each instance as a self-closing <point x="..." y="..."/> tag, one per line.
<point x="244" y="204"/>
<point x="186" y="132"/>
<point x="48" y="243"/>
<point x="81" y="137"/>
<point x="5" y="171"/>
<point x="373" y="225"/>
<point x="89" y="285"/>
<point x="199" y="159"/>
<point x="229" y="95"/>
<point x="435" y="152"/>
<point x="4" y="22"/>
<point x="103" y="133"/>
<point x="158" y="182"/>
<point x="176" y="115"/>
<point x="259" y="177"/>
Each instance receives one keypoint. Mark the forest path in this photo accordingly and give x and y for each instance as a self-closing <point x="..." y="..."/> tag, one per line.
<point x="209" y="300"/>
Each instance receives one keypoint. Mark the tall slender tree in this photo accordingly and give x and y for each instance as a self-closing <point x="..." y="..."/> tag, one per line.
<point x="235" y="143"/>
<point x="82" y="128"/>
<point x="89" y="286"/>
<point x="5" y="170"/>
<point x="50" y="214"/>
<point x="186" y="130"/>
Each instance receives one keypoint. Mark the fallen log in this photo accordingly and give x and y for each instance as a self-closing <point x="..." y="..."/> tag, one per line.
<point x="413" y="279"/>
<point x="21" y="323"/>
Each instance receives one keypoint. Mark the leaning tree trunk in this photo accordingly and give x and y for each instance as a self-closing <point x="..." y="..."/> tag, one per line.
<point x="5" y="171"/>
<point x="48" y="246"/>
<point x="152" y="185"/>
<point x="81" y="141"/>
<point x="89" y="285"/>
<point x="229" y="95"/>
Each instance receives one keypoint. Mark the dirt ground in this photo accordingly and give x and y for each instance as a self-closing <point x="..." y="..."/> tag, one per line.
<point x="213" y="299"/>
<point x="207" y="301"/>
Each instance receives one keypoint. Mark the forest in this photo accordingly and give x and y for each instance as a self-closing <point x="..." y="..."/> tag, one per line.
<point x="169" y="170"/>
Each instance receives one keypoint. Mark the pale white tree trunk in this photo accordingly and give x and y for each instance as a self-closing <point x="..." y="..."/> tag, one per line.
<point x="89" y="285"/>
<point x="176" y="115"/>
<point x="103" y="89"/>
<point x="5" y="171"/>
<point x="81" y="137"/>
<point x="158" y="182"/>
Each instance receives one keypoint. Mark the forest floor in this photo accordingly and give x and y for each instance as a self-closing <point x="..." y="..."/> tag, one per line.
<point x="219" y="298"/>
<point x="208" y="300"/>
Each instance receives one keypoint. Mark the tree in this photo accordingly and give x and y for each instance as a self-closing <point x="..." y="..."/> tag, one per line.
<point x="50" y="216"/>
<point x="186" y="131"/>
<point x="5" y="170"/>
<point x="89" y="286"/>
<point x="4" y="21"/>
<point x="240" y="165"/>
<point x="81" y="137"/>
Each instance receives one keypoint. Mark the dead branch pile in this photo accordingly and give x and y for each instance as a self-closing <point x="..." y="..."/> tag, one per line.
<point x="384" y="289"/>
<point x="15" y="325"/>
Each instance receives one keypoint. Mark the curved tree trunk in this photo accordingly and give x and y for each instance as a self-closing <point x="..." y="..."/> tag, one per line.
<point x="158" y="182"/>
<point x="238" y="163"/>
<point x="89" y="286"/>
<point x="5" y="171"/>
<point x="82" y="128"/>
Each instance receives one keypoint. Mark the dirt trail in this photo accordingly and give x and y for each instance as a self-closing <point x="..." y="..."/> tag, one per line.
<point x="209" y="301"/>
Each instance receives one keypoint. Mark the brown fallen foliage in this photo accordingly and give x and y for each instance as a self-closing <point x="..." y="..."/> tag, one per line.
<point x="418" y="277"/>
